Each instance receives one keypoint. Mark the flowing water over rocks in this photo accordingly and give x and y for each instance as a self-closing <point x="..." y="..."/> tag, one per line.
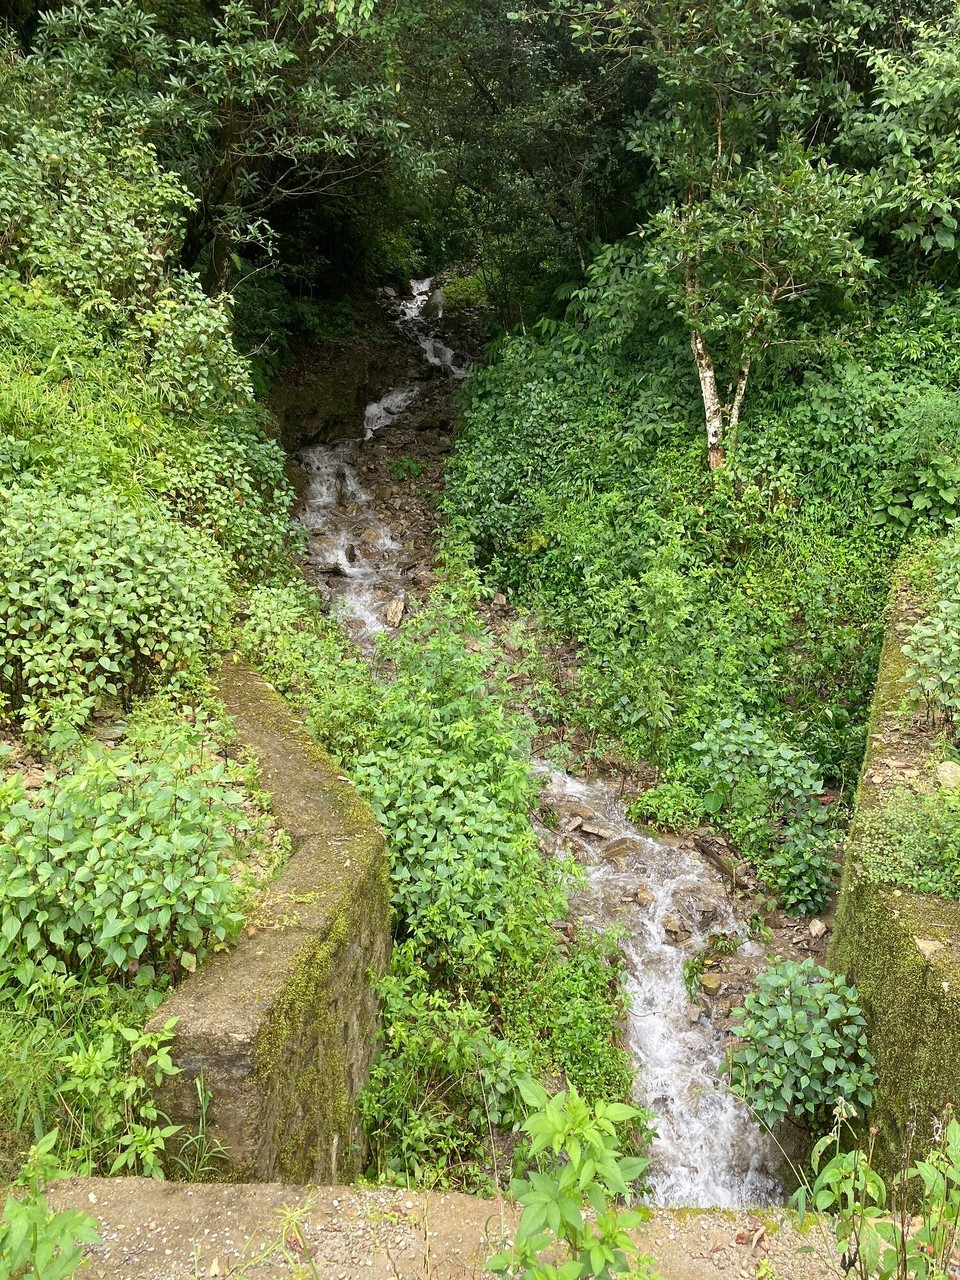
<point x="669" y="903"/>
<point x="666" y="898"/>
<point x="365" y="565"/>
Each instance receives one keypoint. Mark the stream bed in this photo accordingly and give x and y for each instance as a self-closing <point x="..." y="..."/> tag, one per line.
<point x="666" y="899"/>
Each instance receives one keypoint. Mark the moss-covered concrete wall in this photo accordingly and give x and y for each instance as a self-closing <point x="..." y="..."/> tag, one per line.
<point x="281" y="1029"/>
<point x="901" y="948"/>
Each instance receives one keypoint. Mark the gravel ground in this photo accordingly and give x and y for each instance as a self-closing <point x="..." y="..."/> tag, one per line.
<point x="169" y="1231"/>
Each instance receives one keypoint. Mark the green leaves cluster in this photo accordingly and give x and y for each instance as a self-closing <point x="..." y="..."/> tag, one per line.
<point x="801" y="1046"/>
<point x="37" y="1243"/>
<point x="755" y="603"/>
<point x="770" y="796"/>
<point x="443" y="1077"/>
<point x="123" y="862"/>
<point x="98" y="601"/>
<point x="581" y="1167"/>
<point x="894" y="1230"/>
<point x="932" y="646"/>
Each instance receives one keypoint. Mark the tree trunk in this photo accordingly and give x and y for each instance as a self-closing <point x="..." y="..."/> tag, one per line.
<point x="217" y="273"/>
<point x="712" y="408"/>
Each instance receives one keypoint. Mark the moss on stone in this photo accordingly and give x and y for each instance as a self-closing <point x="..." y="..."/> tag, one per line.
<point x="912" y="999"/>
<point x="283" y="1027"/>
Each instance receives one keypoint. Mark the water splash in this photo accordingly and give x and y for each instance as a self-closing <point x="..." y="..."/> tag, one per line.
<point x="708" y="1150"/>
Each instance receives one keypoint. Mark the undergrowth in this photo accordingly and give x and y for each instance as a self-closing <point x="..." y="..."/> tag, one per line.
<point x="481" y="992"/>
<point x="728" y="626"/>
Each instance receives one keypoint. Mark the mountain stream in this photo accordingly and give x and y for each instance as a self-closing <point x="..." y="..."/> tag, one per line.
<point x="665" y="898"/>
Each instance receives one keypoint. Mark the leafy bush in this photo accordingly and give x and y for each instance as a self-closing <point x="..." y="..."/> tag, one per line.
<point x="933" y="644"/>
<point x="120" y="863"/>
<point x="97" y="600"/>
<point x="769" y="794"/>
<point x="442" y="1078"/>
<point x="582" y="1167"/>
<point x="912" y="841"/>
<point x="888" y="1232"/>
<point x="569" y="1010"/>
<point x="35" y="1242"/>
<point x="74" y="1056"/>
<point x="802" y="1045"/>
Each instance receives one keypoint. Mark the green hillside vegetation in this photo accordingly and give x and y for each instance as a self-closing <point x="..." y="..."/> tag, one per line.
<point x="717" y="249"/>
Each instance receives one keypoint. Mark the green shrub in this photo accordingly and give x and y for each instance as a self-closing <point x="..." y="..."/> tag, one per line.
<point x="461" y="292"/>
<point x="96" y="601"/>
<point x="569" y="1009"/>
<point x="802" y="1045"/>
<point x="121" y="863"/>
<point x="887" y="1231"/>
<point x="443" y="1076"/>
<point x="933" y="644"/>
<point x="768" y="796"/>
<point x="912" y="841"/>
<point x="35" y="1242"/>
<point x="581" y="1166"/>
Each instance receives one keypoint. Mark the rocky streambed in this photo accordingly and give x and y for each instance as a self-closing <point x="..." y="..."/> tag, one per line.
<point x="370" y="506"/>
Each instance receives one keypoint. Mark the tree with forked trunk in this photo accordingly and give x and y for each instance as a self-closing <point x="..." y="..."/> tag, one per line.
<point x="732" y="266"/>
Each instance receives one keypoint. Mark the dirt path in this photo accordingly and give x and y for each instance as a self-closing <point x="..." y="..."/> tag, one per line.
<point x="169" y="1231"/>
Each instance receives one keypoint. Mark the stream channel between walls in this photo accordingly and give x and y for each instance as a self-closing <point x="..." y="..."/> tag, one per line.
<point x="663" y="896"/>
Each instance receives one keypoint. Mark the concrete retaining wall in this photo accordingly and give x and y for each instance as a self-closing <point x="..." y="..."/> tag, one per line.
<point x="282" y="1027"/>
<point x="902" y="949"/>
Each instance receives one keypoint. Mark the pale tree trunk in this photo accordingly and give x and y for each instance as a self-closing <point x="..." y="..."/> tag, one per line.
<point x="721" y="419"/>
<point x="712" y="408"/>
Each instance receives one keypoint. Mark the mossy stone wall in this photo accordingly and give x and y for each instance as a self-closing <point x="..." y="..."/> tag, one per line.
<point x="902" y="949"/>
<point x="281" y="1029"/>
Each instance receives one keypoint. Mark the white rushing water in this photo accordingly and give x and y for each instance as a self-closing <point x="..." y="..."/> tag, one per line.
<point x="708" y="1151"/>
<point x="349" y="542"/>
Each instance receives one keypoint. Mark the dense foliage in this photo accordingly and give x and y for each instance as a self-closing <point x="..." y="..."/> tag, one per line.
<point x="99" y="600"/>
<point x="137" y="493"/>
<point x="933" y="644"/>
<point x="802" y="1047"/>
<point x="120" y="864"/>
<point x="725" y="240"/>
<point x="480" y="994"/>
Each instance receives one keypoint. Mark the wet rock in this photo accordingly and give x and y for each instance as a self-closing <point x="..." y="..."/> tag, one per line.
<point x="394" y="611"/>
<point x="575" y="809"/>
<point x="622" y="847"/>
<point x="643" y="895"/>
<point x="601" y="830"/>
<point x="693" y="1014"/>
<point x="672" y="925"/>
<point x="711" y="982"/>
